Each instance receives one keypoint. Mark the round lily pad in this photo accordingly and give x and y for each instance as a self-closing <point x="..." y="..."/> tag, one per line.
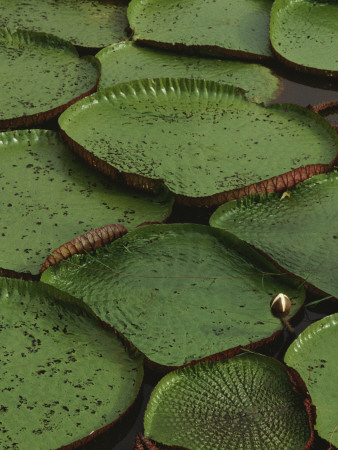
<point x="63" y="377"/>
<point x="304" y="34"/>
<point x="202" y="139"/>
<point x="297" y="229"/>
<point x="235" y="27"/>
<point x="41" y="75"/>
<point x="85" y="23"/>
<point x="314" y="355"/>
<point x="178" y="292"/>
<point x="127" y="61"/>
<point x="49" y="196"/>
<point x="246" y="402"/>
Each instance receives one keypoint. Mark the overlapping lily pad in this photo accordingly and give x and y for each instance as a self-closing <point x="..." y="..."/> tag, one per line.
<point x="298" y="231"/>
<point x="304" y="34"/>
<point x="203" y="139"/>
<point x="49" y="196"/>
<point x="83" y="22"/>
<point x="314" y="355"/>
<point x="40" y="76"/>
<point x="246" y="402"/>
<point x="178" y="292"/>
<point x="236" y="27"/>
<point x="62" y="375"/>
<point x="127" y="62"/>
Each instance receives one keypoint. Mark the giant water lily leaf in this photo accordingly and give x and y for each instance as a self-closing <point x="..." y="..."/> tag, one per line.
<point x="298" y="231"/>
<point x="178" y="292"/>
<point x="246" y="402"/>
<point x="83" y="22"/>
<point x="49" y="196"/>
<point x="40" y="76"/>
<point x="62" y="375"/>
<point x="314" y="355"/>
<point x="304" y="34"/>
<point x="127" y="62"/>
<point x="236" y="27"/>
<point x="203" y="139"/>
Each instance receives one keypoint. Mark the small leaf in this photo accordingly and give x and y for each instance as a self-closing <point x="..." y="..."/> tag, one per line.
<point x="245" y="402"/>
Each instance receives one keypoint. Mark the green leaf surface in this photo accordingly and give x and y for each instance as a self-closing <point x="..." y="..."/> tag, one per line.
<point x="62" y="375"/>
<point x="304" y="33"/>
<point x="314" y="355"/>
<point x="299" y="232"/>
<point x="49" y="196"/>
<point x="83" y="22"/>
<point x="178" y="292"/>
<point x="201" y="138"/>
<point x="246" y="402"/>
<point x="40" y="74"/>
<point x="127" y="62"/>
<point x="235" y="27"/>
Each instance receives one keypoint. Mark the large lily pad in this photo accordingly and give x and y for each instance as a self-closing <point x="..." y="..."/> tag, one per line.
<point x="178" y="292"/>
<point x="48" y="196"/>
<point x="62" y="375"/>
<point x="247" y="402"/>
<point x="314" y="355"/>
<point x="127" y="62"/>
<point x="304" y="34"/>
<point x="236" y="27"/>
<point x="203" y="139"/>
<point x="298" y="231"/>
<point x="40" y="76"/>
<point x="83" y="22"/>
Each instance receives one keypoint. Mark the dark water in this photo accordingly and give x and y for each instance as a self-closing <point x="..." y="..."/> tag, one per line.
<point x="301" y="90"/>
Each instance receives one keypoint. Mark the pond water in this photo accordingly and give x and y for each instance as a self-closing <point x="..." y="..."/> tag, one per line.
<point x="301" y="90"/>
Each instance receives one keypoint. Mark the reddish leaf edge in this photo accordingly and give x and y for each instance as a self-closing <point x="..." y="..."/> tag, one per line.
<point x="140" y="182"/>
<point x="298" y="386"/>
<point x="84" y="243"/>
<point x="143" y="443"/>
<point x="206" y="50"/>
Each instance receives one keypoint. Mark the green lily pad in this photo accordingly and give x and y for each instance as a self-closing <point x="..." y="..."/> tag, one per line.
<point x="236" y="27"/>
<point x="85" y="23"/>
<point x="202" y="139"/>
<point x="127" y="62"/>
<point x="304" y="34"/>
<point x="178" y="292"/>
<point x="48" y="196"/>
<point x="314" y="355"/>
<point x="40" y="76"/>
<point x="246" y="402"/>
<point x="62" y="375"/>
<point x="298" y="231"/>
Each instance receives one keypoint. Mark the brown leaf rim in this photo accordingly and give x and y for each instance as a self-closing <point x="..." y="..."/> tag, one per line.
<point x="87" y="242"/>
<point x="210" y="50"/>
